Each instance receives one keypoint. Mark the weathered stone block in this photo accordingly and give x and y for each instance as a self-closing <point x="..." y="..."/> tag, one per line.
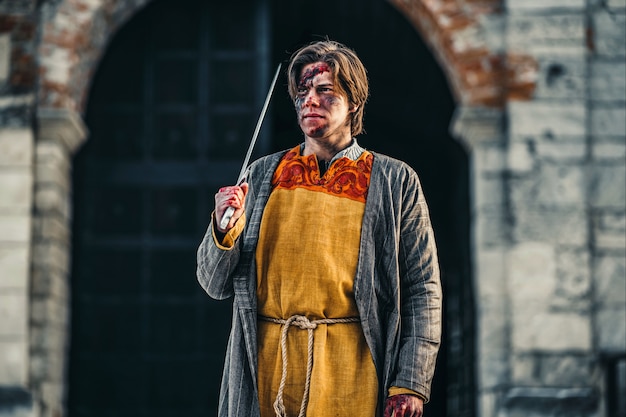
<point x="609" y="31"/>
<point x="474" y="126"/>
<point x="551" y="402"/>
<point x="607" y="150"/>
<point x="616" y="5"/>
<point x="51" y="228"/>
<point x="16" y="188"/>
<point x="55" y="175"/>
<point x="46" y="339"/>
<point x="520" y="158"/>
<point x="490" y="280"/>
<point x="51" y="255"/>
<point x="493" y="340"/>
<point x="52" y="199"/>
<point x="573" y="281"/>
<point x="49" y="283"/>
<point x="493" y="367"/>
<point x="13" y="314"/>
<point x="551" y="185"/>
<point x="608" y="80"/>
<point x="614" y="221"/>
<point x="15" y="228"/>
<point x="560" y="185"/>
<point x="608" y="121"/>
<point x="491" y="228"/>
<point x="488" y="191"/>
<point x="16" y="147"/>
<point x="609" y="272"/>
<point x="514" y="6"/>
<point x="14" y="264"/>
<point x="487" y="404"/>
<point x="609" y="239"/>
<point x="611" y="329"/>
<point x="547" y="35"/>
<point x="13" y="362"/>
<point x="561" y="77"/>
<point x="490" y="159"/>
<point x="54" y="393"/>
<point x="531" y="270"/>
<point x="52" y="153"/>
<point x="609" y="230"/>
<point x="567" y="226"/>
<point x="535" y="329"/>
<point x="608" y="186"/>
<point x="552" y="370"/>
<point x="570" y="152"/>
<point x="551" y="120"/>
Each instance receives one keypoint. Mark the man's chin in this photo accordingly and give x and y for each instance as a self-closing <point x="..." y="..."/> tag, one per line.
<point x="314" y="131"/>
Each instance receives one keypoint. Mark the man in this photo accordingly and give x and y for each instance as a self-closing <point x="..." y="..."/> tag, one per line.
<point x="331" y="259"/>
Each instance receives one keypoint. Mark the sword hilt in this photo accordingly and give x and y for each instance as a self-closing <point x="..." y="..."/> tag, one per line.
<point x="228" y="214"/>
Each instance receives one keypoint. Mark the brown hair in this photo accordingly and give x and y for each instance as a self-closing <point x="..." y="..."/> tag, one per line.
<point x="348" y="72"/>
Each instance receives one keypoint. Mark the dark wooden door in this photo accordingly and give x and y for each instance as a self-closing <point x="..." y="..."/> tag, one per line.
<point x="170" y="114"/>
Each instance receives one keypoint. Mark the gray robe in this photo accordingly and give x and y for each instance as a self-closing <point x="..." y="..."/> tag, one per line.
<point x="397" y="286"/>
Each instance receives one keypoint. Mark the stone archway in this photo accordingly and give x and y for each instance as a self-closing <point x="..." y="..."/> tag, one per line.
<point x="463" y="36"/>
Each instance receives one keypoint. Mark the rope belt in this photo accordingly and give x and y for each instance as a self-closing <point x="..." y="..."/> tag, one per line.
<point x="305" y="324"/>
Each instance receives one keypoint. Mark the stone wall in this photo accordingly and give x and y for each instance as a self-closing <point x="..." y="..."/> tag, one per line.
<point x="548" y="214"/>
<point x="17" y="99"/>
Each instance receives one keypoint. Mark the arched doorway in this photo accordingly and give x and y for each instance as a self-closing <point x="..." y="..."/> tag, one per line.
<point x="169" y="115"/>
<point x="145" y="339"/>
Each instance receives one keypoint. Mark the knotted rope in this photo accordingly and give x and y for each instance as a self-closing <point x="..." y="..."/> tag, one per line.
<point x="305" y="324"/>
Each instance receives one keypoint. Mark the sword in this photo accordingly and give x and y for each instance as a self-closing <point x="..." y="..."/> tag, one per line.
<point x="231" y="210"/>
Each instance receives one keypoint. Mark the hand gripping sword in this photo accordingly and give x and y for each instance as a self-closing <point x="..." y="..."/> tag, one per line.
<point x="231" y="210"/>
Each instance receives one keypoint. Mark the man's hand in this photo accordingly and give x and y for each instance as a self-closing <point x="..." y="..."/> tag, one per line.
<point x="404" y="405"/>
<point x="233" y="196"/>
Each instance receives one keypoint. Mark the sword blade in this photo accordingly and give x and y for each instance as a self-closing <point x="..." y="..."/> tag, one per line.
<point x="258" y="125"/>
<point x="228" y="214"/>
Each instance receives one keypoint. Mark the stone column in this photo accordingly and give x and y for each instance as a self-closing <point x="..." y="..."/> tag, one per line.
<point x="548" y="261"/>
<point x="60" y="134"/>
<point x="481" y="130"/>
<point x="16" y="184"/>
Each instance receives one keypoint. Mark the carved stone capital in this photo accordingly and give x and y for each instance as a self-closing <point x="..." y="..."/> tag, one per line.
<point x="62" y="126"/>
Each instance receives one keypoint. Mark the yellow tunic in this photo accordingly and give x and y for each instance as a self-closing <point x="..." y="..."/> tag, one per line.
<point x="306" y="262"/>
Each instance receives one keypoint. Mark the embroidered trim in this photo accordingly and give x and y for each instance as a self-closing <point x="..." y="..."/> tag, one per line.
<point x="344" y="178"/>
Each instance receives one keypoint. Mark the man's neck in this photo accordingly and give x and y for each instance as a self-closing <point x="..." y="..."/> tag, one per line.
<point x="325" y="151"/>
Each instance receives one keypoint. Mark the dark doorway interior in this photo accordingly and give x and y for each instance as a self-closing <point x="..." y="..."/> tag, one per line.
<point x="171" y="109"/>
<point x="407" y="117"/>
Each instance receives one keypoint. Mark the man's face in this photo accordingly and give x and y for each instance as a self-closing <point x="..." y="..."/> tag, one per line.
<point x="322" y="110"/>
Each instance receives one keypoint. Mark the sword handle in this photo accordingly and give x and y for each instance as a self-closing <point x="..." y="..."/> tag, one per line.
<point x="226" y="217"/>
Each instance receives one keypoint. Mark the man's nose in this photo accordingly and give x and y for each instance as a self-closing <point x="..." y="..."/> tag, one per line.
<point x="311" y="98"/>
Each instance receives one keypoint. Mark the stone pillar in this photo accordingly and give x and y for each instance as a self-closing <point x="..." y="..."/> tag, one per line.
<point x="481" y="130"/>
<point x="553" y="367"/>
<point x="60" y="134"/>
<point x="16" y="184"/>
<point x="607" y="198"/>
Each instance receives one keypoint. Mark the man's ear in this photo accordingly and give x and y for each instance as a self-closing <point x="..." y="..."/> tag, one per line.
<point x="353" y="108"/>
